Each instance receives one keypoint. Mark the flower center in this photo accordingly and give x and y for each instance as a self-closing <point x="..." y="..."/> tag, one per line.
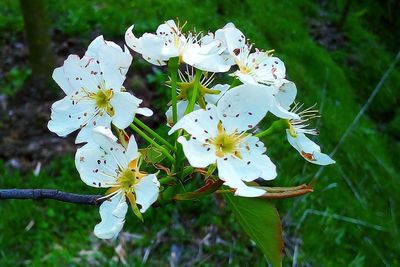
<point x="226" y="143"/>
<point x="130" y="176"/>
<point x="127" y="180"/>
<point x="102" y="98"/>
<point x="244" y="69"/>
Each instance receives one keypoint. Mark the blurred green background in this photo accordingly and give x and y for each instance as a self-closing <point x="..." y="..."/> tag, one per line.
<point x="335" y="55"/>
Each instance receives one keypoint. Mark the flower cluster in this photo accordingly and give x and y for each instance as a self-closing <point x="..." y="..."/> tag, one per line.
<point x="213" y="126"/>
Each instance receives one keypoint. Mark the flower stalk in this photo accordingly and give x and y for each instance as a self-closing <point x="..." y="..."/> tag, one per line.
<point x="152" y="142"/>
<point x="195" y="92"/>
<point x="275" y="127"/>
<point x="173" y="65"/>
<point x="154" y="134"/>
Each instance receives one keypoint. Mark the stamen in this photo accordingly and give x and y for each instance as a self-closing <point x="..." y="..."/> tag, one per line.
<point x="300" y="125"/>
<point x="110" y="194"/>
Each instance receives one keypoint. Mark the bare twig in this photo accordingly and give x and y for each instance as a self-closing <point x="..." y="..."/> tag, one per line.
<point x="288" y="194"/>
<point x="38" y="194"/>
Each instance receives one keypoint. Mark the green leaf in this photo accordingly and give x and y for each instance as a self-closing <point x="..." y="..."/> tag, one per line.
<point x="260" y="220"/>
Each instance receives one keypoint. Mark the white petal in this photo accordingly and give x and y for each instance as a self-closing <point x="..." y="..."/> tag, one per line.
<point x="96" y="44"/>
<point x="269" y="70"/>
<point x="132" y="41"/>
<point x="243" y="107"/>
<point x="245" y="78"/>
<point x="180" y="108"/>
<point x="213" y="99"/>
<point x="66" y="117"/>
<point x="150" y="46"/>
<point x="322" y="159"/>
<point x="286" y="94"/>
<point x="267" y="167"/>
<point x="125" y="106"/>
<point x="109" y="143"/>
<point x="155" y="51"/>
<point x="169" y="27"/>
<point x="232" y="170"/>
<point x="210" y="63"/>
<point x="261" y="162"/>
<point x="198" y="154"/>
<point x="281" y="112"/>
<point x="93" y="48"/>
<point x="62" y="81"/>
<point x="114" y="64"/>
<point x="206" y="58"/>
<point x="112" y="213"/>
<point x="237" y="168"/>
<point x="146" y="191"/>
<point x="253" y="144"/>
<point x="207" y="39"/>
<point x="145" y="112"/>
<point x="85" y="134"/>
<point x="96" y="168"/>
<point x="78" y="75"/>
<point x="308" y="149"/>
<point x="132" y="149"/>
<point x="201" y="124"/>
<point x="232" y="38"/>
<point x="172" y="37"/>
<point x="211" y="47"/>
<point x="252" y="151"/>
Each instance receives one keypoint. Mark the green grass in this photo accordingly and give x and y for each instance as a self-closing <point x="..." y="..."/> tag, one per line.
<point x="352" y="217"/>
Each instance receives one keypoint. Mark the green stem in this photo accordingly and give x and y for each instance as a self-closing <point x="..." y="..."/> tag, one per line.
<point x="173" y="65"/>
<point x="224" y="191"/>
<point x="275" y="126"/>
<point x="152" y="142"/>
<point x="153" y="133"/>
<point x="167" y="180"/>
<point x="196" y="86"/>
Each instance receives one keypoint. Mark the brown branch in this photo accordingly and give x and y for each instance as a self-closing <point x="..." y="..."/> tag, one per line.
<point x="39" y="194"/>
<point x="287" y="194"/>
<point x="286" y="189"/>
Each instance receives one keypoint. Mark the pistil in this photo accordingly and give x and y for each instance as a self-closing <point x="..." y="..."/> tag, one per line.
<point x="226" y="143"/>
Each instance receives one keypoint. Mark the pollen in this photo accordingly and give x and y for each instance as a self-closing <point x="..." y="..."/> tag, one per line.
<point x="130" y="176"/>
<point x="225" y="143"/>
<point x="103" y="98"/>
<point x="127" y="180"/>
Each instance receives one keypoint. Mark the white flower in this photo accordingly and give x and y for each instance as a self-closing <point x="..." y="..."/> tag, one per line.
<point x="253" y="67"/>
<point x="297" y="138"/>
<point x="94" y="91"/>
<point x="219" y="135"/>
<point x="106" y="163"/>
<point x="257" y="68"/>
<point x="169" y="42"/>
